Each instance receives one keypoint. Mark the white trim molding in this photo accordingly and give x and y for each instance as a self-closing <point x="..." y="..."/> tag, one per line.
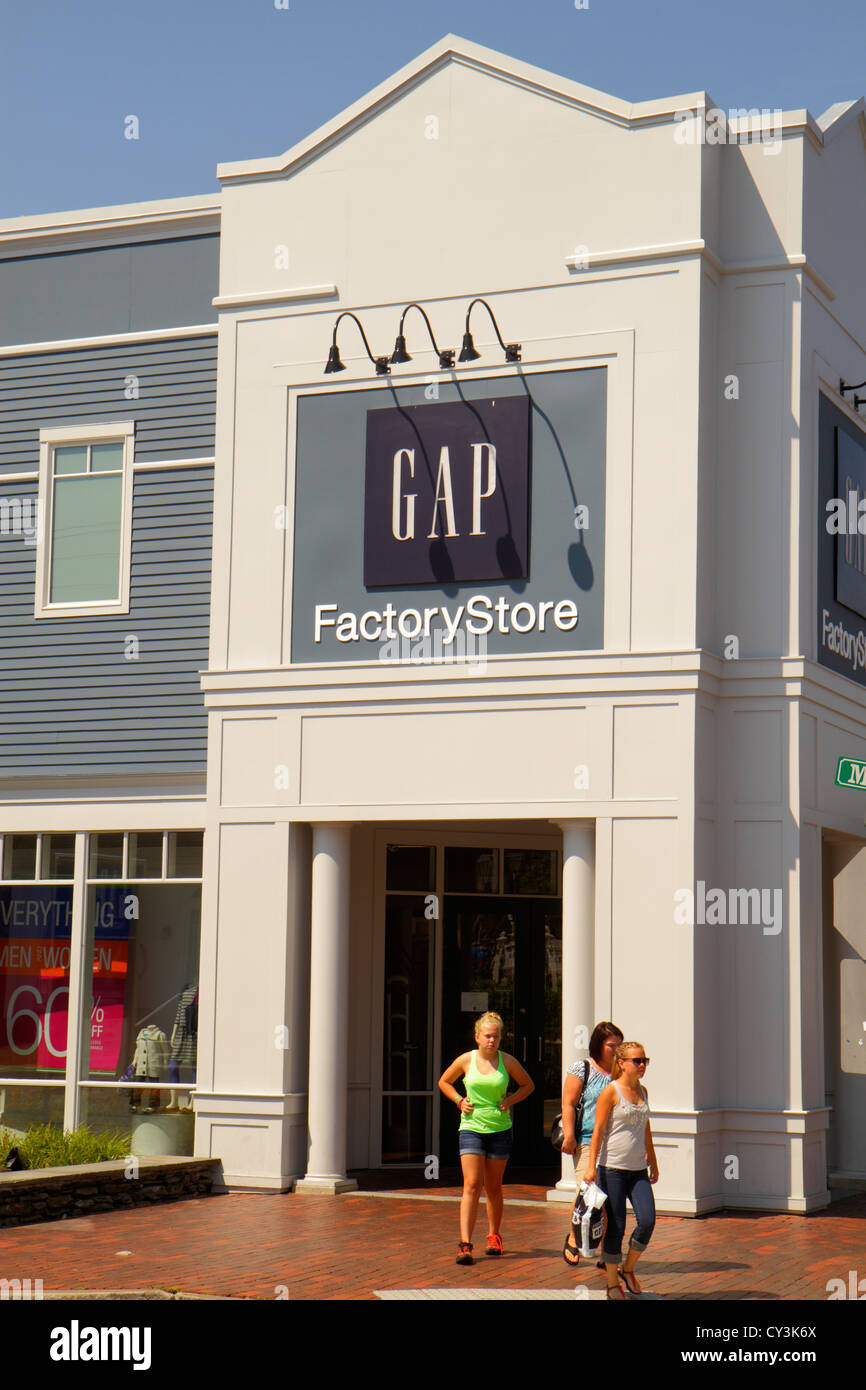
<point x="286" y="296"/>
<point x="148" y="335"/>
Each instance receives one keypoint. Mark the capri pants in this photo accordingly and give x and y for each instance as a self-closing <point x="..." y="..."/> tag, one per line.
<point x="619" y="1184"/>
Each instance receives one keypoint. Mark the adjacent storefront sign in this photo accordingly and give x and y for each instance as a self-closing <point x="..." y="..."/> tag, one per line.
<point x="841" y="617"/>
<point x="851" y="772"/>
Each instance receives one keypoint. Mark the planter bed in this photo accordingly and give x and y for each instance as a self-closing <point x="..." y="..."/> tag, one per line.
<point x="48" y="1194"/>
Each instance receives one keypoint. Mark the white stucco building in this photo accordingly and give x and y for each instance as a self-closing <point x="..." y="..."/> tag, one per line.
<point x="686" y="304"/>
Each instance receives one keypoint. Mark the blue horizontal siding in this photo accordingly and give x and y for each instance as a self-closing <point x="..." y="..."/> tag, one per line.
<point x="174" y="411"/>
<point x="69" y="700"/>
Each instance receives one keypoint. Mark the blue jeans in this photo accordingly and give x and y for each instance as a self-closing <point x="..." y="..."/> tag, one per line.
<point x="619" y="1184"/>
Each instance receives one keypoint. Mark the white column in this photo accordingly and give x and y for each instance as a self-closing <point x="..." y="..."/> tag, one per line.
<point x="329" y="1008"/>
<point x="80" y="984"/>
<point x="578" y="959"/>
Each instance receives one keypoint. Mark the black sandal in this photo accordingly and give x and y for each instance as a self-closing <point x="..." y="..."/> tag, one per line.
<point x="570" y="1249"/>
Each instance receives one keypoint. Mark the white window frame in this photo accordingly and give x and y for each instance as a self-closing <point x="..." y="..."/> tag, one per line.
<point x="123" y="432"/>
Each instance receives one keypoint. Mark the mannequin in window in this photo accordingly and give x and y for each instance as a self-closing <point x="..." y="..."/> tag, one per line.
<point x="149" y="1066"/>
<point x="184" y="1045"/>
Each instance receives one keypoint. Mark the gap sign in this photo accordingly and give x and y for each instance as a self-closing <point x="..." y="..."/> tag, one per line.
<point x="447" y="493"/>
<point x="851" y="772"/>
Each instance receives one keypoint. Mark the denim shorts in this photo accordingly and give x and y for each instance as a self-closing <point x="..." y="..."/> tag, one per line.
<point x="494" y="1145"/>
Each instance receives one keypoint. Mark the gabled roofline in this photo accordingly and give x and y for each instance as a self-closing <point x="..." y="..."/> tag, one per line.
<point x="447" y="50"/>
<point x="838" y="117"/>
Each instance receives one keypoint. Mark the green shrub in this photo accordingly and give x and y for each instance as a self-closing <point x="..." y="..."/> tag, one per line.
<point x="45" y="1146"/>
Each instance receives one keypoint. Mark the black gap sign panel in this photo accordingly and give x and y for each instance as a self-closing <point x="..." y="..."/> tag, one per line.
<point x="447" y="493"/>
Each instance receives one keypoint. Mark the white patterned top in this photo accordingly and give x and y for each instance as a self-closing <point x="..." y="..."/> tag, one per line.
<point x="624" y="1142"/>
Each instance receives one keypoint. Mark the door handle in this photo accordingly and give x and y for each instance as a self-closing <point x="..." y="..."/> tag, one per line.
<point x="524" y="1047"/>
<point x="539" y="1047"/>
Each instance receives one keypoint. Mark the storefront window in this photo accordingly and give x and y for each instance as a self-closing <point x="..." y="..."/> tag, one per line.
<point x="407" y="1004"/>
<point x="35" y="926"/>
<point x="184" y="854"/>
<point x="145" y="854"/>
<point x="408" y="1030"/>
<point x="411" y="868"/>
<point x="139" y="1002"/>
<point x="144" y="986"/>
<point x="58" y="856"/>
<point x="531" y="871"/>
<point x="106" y="855"/>
<point x="24" y="1107"/>
<point x="471" y="870"/>
<point x="143" y="1009"/>
<point x="19" y="856"/>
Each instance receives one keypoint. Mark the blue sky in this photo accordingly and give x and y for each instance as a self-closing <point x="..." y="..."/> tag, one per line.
<point x="214" y="80"/>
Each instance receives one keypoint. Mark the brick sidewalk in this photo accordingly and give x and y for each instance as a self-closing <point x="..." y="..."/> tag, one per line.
<point x="252" y="1245"/>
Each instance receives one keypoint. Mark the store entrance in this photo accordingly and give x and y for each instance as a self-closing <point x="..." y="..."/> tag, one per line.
<point x="505" y="955"/>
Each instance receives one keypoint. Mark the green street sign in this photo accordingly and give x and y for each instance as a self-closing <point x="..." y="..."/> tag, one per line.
<point x="851" y="772"/>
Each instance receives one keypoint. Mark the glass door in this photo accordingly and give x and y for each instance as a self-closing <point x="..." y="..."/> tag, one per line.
<point x="505" y="955"/>
<point x="541" y="1031"/>
<point x="407" y="1073"/>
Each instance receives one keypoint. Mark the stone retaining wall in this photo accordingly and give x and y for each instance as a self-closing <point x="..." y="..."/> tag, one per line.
<point x="48" y="1194"/>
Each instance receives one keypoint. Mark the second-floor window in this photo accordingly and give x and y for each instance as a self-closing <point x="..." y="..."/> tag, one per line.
<point x="85" y="501"/>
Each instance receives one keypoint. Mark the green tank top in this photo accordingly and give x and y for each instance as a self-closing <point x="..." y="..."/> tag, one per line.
<point x="485" y="1092"/>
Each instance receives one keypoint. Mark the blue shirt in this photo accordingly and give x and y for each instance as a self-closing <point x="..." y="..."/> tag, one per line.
<point x="595" y="1084"/>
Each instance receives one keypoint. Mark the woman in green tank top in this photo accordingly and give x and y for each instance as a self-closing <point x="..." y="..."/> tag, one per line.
<point x="485" y="1127"/>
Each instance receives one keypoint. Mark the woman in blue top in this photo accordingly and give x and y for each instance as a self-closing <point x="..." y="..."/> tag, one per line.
<point x="586" y="1079"/>
<point x="485" y="1127"/>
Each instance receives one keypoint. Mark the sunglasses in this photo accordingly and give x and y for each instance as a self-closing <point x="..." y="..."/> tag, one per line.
<point x="638" y="1061"/>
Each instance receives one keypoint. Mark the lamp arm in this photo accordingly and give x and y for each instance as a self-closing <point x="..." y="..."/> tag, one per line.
<point x="492" y="320"/>
<point x="347" y="314"/>
<point x="423" y="314"/>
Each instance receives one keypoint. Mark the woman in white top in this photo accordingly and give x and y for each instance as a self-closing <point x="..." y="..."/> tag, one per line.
<point x="619" y="1156"/>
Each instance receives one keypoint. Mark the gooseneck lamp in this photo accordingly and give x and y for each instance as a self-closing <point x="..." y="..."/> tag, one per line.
<point x="445" y="355"/>
<point x="335" y="365"/>
<point x="468" y="352"/>
<point x="843" y="388"/>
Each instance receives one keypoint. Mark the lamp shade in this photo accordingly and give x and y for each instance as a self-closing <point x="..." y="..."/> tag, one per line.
<point x="333" y="363"/>
<point x="400" y="354"/>
<point x="467" y="352"/>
